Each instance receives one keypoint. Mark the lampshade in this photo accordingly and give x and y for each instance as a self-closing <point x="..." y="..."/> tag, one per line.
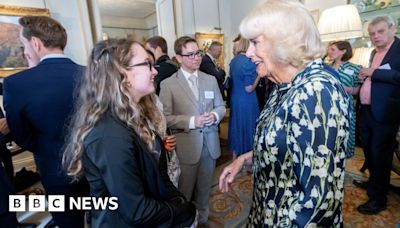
<point x="361" y="56"/>
<point x="340" y="23"/>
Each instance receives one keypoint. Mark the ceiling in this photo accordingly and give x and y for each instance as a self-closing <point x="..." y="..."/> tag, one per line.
<point x="139" y="9"/>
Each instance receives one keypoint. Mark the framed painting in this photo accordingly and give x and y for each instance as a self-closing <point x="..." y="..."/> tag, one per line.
<point x="12" y="57"/>
<point x="205" y="39"/>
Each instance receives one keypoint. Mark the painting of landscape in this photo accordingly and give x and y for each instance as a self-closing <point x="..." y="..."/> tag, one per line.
<point x="11" y="48"/>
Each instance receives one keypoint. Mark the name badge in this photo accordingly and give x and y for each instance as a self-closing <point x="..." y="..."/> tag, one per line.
<point x="348" y="71"/>
<point x="209" y="94"/>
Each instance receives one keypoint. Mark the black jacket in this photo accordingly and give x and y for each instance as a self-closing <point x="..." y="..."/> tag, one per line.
<point x="165" y="68"/>
<point x="118" y="163"/>
<point x="208" y="67"/>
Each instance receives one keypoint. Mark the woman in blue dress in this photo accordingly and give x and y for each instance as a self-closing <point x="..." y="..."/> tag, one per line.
<point x="300" y="138"/>
<point x="339" y="53"/>
<point x="244" y="105"/>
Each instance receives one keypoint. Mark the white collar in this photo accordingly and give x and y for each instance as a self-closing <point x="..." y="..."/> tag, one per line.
<point x="187" y="74"/>
<point x="50" y="56"/>
<point x="211" y="57"/>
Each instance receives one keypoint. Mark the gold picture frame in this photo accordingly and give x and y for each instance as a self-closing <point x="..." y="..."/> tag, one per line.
<point x="11" y="50"/>
<point x="205" y="39"/>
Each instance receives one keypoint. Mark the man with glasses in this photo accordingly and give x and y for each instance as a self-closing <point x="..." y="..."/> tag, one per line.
<point x="193" y="107"/>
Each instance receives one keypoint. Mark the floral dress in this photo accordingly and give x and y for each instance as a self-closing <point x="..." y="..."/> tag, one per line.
<point x="299" y="151"/>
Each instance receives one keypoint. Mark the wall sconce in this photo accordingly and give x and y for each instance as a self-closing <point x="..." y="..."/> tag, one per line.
<point x="340" y="23"/>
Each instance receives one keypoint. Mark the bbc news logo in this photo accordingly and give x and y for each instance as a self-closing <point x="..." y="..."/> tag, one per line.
<point x="56" y="203"/>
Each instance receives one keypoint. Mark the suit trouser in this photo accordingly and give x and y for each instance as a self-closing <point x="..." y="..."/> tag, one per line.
<point x="7" y="219"/>
<point x="378" y="141"/>
<point x="6" y="158"/>
<point x="69" y="218"/>
<point x="195" y="182"/>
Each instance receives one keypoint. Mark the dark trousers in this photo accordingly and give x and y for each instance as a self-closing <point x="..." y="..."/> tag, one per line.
<point x="378" y="141"/>
<point x="68" y="219"/>
<point x="6" y="159"/>
<point x="7" y="219"/>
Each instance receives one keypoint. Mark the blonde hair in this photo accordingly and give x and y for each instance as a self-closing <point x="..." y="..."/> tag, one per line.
<point x="103" y="90"/>
<point x="289" y="28"/>
<point x="242" y="45"/>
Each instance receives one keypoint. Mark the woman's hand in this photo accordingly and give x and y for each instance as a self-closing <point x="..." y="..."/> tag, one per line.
<point x="169" y="142"/>
<point x="366" y="72"/>
<point x="230" y="172"/>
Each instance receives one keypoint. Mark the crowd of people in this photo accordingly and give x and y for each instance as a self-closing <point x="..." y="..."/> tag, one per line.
<point x="136" y="125"/>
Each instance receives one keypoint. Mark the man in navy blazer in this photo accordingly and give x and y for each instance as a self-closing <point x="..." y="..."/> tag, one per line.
<point x="210" y="66"/>
<point x="38" y="103"/>
<point x="380" y="111"/>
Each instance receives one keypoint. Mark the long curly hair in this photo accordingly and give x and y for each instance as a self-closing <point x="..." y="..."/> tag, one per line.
<point x="103" y="90"/>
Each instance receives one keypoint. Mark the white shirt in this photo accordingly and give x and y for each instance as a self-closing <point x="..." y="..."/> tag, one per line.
<point x="50" y="56"/>
<point x="186" y="74"/>
<point x="212" y="59"/>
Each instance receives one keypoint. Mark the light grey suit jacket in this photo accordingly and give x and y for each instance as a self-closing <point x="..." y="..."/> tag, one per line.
<point x="180" y="104"/>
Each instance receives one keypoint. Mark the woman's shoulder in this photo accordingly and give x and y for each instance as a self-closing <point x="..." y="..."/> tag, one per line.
<point x="319" y="75"/>
<point x="353" y="65"/>
<point x="108" y="127"/>
<point x="243" y="62"/>
<point x="318" y="80"/>
<point x="243" y="58"/>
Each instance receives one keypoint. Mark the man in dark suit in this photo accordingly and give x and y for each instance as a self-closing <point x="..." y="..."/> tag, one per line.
<point x="380" y="111"/>
<point x="38" y="103"/>
<point x="164" y="66"/>
<point x="210" y="66"/>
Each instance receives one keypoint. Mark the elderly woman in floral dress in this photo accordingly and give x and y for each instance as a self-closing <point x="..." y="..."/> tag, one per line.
<point x="302" y="133"/>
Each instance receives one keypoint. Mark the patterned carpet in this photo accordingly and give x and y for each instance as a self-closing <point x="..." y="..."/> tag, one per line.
<point x="231" y="209"/>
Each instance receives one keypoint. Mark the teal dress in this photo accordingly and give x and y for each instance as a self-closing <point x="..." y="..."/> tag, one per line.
<point x="348" y="76"/>
<point x="299" y="151"/>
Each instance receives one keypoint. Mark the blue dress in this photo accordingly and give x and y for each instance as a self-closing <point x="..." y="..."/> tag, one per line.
<point x="299" y="151"/>
<point x="244" y="106"/>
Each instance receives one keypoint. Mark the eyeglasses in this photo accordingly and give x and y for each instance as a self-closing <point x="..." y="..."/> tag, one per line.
<point x="145" y="63"/>
<point x="193" y="55"/>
